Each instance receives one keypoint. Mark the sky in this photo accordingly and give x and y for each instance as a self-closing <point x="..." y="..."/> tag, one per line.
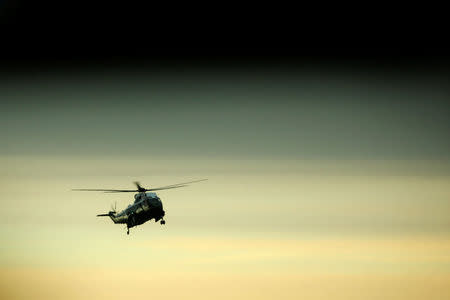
<point x="323" y="183"/>
<point x="273" y="112"/>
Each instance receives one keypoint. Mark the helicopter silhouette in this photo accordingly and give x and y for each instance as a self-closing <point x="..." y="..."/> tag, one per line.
<point x="147" y="205"/>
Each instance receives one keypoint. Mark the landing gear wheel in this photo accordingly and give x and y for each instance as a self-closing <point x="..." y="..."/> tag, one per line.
<point x="163" y="222"/>
<point x="128" y="230"/>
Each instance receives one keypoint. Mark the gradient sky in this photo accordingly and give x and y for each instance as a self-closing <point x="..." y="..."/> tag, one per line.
<point x="261" y="113"/>
<point x="323" y="184"/>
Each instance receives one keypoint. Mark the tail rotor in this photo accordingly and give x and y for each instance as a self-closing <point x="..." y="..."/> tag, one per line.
<point x="113" y="208"/>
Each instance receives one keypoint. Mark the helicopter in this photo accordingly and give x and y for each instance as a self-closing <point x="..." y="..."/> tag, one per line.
<point x="146" y="206"/>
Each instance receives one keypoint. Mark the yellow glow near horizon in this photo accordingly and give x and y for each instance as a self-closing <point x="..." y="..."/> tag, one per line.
<point x="255" y="229"/>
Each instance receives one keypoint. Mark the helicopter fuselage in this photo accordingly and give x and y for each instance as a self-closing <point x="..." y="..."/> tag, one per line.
<point x="146" y="206"/>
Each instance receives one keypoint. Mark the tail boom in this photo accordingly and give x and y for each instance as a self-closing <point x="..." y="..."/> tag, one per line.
<point x="110" y="214"/>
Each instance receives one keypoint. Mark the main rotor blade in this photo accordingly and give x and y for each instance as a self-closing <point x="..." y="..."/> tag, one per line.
<point x="165" y="188"/>
<point x="102" y="190"/>
<point x="140" y="188"/>
<point x="174" y="185"/>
